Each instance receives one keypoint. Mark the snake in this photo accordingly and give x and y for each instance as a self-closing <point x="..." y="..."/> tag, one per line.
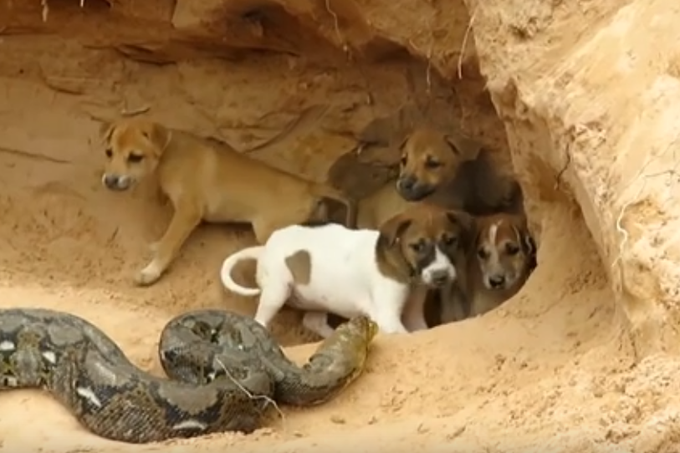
<point x="224" y="370"/>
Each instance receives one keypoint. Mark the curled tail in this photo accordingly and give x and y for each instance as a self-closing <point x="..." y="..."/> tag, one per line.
<point x="252" y="253"/>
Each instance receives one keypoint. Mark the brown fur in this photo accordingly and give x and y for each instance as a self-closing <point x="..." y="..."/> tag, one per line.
<point x="208" y="182"/>
<point x="456" y="173"/>
<point x="300" y="266"/>
<point x="421" y="223"/>
<point x="510" y="252"/>
<point x="380" y="206"/>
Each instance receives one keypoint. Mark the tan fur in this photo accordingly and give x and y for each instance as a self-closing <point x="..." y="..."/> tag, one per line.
<point x="380" y="206"/>
<point x="300" y="266"/>
<point x="456" y="173"/>
<point x="206" y="181"/>
<point x="503" y="247"/>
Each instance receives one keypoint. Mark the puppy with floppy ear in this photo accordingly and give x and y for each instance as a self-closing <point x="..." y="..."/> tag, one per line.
<point x="206" y="180"/>
<point x="426" y="234"/>
<point x="502" y="260"/>
<point x="454" y="172"/>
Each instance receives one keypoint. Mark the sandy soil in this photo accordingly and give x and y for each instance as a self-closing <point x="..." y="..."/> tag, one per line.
<point x="552" y="370"/>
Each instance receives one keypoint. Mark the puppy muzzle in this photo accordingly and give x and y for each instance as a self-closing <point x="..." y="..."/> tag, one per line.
<point x="117" y="183"/>
<point x="438" y="277"/>
<point x="411" y="190"/>
<point x="498" y="281"/>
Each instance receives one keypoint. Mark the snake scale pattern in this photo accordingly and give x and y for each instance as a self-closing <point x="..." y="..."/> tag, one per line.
<point x="224" y="369"/>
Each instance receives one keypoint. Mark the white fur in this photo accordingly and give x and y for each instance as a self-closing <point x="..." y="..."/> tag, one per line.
<point x="344" y="279"/>
<point x="440" y="266"/>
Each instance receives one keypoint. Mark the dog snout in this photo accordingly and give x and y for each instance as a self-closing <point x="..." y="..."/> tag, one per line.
<point x="497" y="281"/>
<point x="440" y="277"/>
<point x="116" y="182"/>
<point x="406" y="183"/>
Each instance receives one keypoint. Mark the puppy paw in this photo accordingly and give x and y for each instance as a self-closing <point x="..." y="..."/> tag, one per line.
<point x="148" y="276"/>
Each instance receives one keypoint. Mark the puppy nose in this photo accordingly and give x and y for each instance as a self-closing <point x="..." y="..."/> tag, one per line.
<point x="406" y="183"/>
<point x="496" y="281"/>
<point x="111" y="181"/>
<point x="439" y="278"/>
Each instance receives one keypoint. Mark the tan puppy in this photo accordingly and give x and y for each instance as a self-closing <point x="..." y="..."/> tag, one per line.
<point x="456" y="173"/>
<point x="419" y="237"/>
<point x="380" y="206"/>
<point x="503" y="258"/>
<point x="206" y="181"/>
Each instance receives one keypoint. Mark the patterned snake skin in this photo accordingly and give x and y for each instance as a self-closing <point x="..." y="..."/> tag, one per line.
<point x="221" y="365"/>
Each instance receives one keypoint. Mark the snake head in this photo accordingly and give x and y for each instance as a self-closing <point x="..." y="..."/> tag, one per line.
<point x="367" y="327"/>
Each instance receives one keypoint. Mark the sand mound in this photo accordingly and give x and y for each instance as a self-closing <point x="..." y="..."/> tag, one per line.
<point x="577" y="362"/>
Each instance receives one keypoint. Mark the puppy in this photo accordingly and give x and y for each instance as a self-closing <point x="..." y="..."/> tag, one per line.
<point x="206" y="181"/>
<point x="348" y="272"/>
<point x="380" y="206"/>
<point x="454" y="172"/>
<point x="503" y="258"/>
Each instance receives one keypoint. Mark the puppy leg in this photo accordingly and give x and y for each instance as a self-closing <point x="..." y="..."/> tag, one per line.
<point x="414" y="310"/>
<point x="184" y="221"/>
<point x="274" y="295"/>
<point x="317" y="322"/>
<point x="263" y="229"/>
<point x="454" y="306"/>
<point x="388" y="305"/>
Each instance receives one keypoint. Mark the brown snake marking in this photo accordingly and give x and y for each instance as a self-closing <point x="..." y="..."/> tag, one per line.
<point x="89" y="374"/>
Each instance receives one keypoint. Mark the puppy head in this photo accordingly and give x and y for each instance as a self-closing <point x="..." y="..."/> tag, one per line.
<point x="506" y="252"/>
<point x="423" y="242"/>
<point x="429" y="159"/>
<point x="132" y="148"/>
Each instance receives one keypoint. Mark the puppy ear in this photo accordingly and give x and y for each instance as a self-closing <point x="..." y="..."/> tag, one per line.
<point x="462" y="219"/>
<point x="466" y="223"/>
<point x="403" y="142"/>
<point x="531" y="250"/>
<point x="392" y="229"/>
<point x="106" y="129"/>
<point x="158" y="135"/>
<point x="463" y="146"/>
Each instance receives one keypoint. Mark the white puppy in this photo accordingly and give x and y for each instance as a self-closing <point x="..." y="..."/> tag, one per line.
<point x="331" y="268"/>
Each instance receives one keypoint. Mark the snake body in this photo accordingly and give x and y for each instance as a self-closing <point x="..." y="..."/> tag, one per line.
<point x="224" y="369"/>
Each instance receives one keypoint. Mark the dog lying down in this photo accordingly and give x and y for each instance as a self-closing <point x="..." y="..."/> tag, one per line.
<point x="348" y="272"/>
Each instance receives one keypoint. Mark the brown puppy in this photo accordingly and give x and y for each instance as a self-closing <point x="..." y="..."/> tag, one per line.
<point x="206" y="181"/>
<point x="423" y="240"/>
<point x="503" y="258"/>
<point x="456" y="173"/>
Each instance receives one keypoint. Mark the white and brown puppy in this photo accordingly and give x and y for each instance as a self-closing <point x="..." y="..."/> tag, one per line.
<point x="456" y="173"/>
<point x="206" y="181"/>
<point x="503" y="257"/>
<point x="333" y="269"/>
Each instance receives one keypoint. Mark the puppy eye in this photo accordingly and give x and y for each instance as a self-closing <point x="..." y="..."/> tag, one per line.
<point x="109" y="152"/>
<point x="418" y="247"/>
<point x="512" y="249"/>
<point x="482" y="254"/>
<point x="449" y="241"/>
<point x="432" y="163"/>
<point x="135" y="158"/>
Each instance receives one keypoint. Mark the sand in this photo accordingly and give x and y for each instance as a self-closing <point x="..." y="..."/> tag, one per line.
<point x="554" y="369"/>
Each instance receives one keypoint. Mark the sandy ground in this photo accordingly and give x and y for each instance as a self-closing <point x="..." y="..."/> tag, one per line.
<point x="552" y="370"/>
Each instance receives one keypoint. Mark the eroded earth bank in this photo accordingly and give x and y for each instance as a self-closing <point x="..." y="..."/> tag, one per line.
<point x="579" y="98"/>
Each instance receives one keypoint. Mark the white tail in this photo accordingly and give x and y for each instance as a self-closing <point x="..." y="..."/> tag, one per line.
<point x="232" y="260"/>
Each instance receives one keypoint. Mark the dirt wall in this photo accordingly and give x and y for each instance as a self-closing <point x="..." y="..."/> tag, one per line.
<point x="577" y="361"/>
